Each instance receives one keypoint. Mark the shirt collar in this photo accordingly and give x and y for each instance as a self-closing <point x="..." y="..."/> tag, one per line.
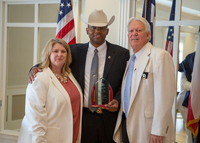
<point x="139" y="53"/>
<point x="100" y="48"/>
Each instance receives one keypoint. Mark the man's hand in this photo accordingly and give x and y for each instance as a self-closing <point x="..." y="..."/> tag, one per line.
<point x="112" y="106"/>
<point x="156" y="139"/>
<point x="32" y="74"/>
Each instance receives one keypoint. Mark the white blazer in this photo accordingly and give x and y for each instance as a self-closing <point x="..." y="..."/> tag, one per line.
<point x="48" y="112"/>
<point x="152" y="97"/>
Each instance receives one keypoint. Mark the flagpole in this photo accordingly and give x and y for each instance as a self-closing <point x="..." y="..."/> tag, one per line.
<point x="145" y="14"/>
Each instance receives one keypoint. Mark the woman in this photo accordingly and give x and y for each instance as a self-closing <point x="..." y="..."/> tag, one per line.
<point x="53" y="111"/>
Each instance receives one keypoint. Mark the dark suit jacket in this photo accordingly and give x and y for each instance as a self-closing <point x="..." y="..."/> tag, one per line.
<point x="186" y="66"/>
<point x="113" y="73"/>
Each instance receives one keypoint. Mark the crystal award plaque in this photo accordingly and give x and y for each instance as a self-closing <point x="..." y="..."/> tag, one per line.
<point x="101" y="93"/>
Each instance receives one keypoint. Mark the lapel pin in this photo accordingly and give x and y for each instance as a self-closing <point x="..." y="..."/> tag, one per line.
<point x="145" y="75"/>
<point x="109" y="57"/>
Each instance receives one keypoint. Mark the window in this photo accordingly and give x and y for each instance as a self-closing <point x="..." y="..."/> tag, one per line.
<point x="28" y="28"/>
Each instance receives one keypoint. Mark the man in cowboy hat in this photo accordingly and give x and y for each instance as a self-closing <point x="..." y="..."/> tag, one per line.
<point x="98" y="125"/>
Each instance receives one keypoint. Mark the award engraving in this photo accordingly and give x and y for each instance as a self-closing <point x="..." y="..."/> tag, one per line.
<point x="101" y="93"/>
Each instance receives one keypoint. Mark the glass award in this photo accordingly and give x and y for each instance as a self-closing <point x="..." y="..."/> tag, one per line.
<point x="101" y="93"/>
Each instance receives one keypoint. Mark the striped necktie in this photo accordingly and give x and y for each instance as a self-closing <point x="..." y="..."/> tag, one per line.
<point x="93" y="77"/>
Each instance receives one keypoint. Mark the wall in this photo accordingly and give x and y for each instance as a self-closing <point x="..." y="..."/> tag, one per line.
<point x="5" y="138"/>
<point x="1" y="61"/>
<point x="88" y="6"/>
<point x="189" y="45"/>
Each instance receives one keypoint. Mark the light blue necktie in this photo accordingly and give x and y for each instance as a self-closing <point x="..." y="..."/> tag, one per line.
<point x="127" y="89"/>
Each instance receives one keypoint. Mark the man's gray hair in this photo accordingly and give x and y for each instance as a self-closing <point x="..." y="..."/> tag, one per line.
<point x="143" y="20"/>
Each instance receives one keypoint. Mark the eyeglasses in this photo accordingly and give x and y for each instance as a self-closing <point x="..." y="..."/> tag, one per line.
<point x="97" y="28"/>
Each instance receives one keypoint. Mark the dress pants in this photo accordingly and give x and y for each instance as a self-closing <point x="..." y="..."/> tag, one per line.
<point x="124" y="131"/>
<point x="197" y="139"/>
<point x="93" y="128"/>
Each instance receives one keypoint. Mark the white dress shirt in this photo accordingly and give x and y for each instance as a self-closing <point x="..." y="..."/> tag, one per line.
<point x="102" y="58"/>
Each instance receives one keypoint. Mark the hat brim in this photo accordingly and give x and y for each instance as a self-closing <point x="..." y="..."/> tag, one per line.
<point x="98" y="24"/>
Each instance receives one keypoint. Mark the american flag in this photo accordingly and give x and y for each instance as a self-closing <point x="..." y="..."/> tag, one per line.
<point x="170" y="35"/>
<point x="193" y="116"/>
<point x="65" y="24"/>
<point x="149" y="13"/>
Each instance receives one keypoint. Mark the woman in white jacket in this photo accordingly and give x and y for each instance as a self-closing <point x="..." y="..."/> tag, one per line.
<point x="53" y="111"/>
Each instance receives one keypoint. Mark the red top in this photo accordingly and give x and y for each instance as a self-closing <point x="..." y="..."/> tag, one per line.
<point x="75" y="102"/>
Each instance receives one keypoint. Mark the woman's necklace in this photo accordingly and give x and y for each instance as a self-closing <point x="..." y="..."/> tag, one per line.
<point x="61" y="78"/>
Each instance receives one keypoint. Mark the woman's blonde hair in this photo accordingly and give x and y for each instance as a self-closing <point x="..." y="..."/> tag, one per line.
<point x="47" y="51"/>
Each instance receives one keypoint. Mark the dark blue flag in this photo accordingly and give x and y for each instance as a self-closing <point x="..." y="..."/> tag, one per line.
<point x="149" y="13"/>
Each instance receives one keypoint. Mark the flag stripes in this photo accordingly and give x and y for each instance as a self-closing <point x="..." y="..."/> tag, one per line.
<point x="170" y="34"/>
<point x="65" y="23"/>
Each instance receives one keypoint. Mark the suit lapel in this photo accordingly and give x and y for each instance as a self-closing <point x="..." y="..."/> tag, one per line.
<point x="82" y="52"/>
<point x="110" y="56"/>
<point x="139" y="71"/>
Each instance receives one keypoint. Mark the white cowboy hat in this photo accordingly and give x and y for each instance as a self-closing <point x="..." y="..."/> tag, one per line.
<point x="98" y="18"/>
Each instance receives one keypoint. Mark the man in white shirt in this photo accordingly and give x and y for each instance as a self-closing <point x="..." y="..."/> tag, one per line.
<point x="148" y="96"/>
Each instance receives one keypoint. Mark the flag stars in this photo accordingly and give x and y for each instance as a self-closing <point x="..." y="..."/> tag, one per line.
<point x="60" y="12"/>
<point x="62" y="5"/>
<point x="68" y="5"/>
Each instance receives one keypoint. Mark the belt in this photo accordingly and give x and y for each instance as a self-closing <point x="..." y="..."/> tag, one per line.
<point x="98" y="111"/>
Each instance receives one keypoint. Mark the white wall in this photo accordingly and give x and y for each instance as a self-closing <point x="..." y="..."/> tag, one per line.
<point x="189" y="45"/>
<point x="1" y="62"/>
<point x="5" y="138"/>
<point x="88" y="6"/>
